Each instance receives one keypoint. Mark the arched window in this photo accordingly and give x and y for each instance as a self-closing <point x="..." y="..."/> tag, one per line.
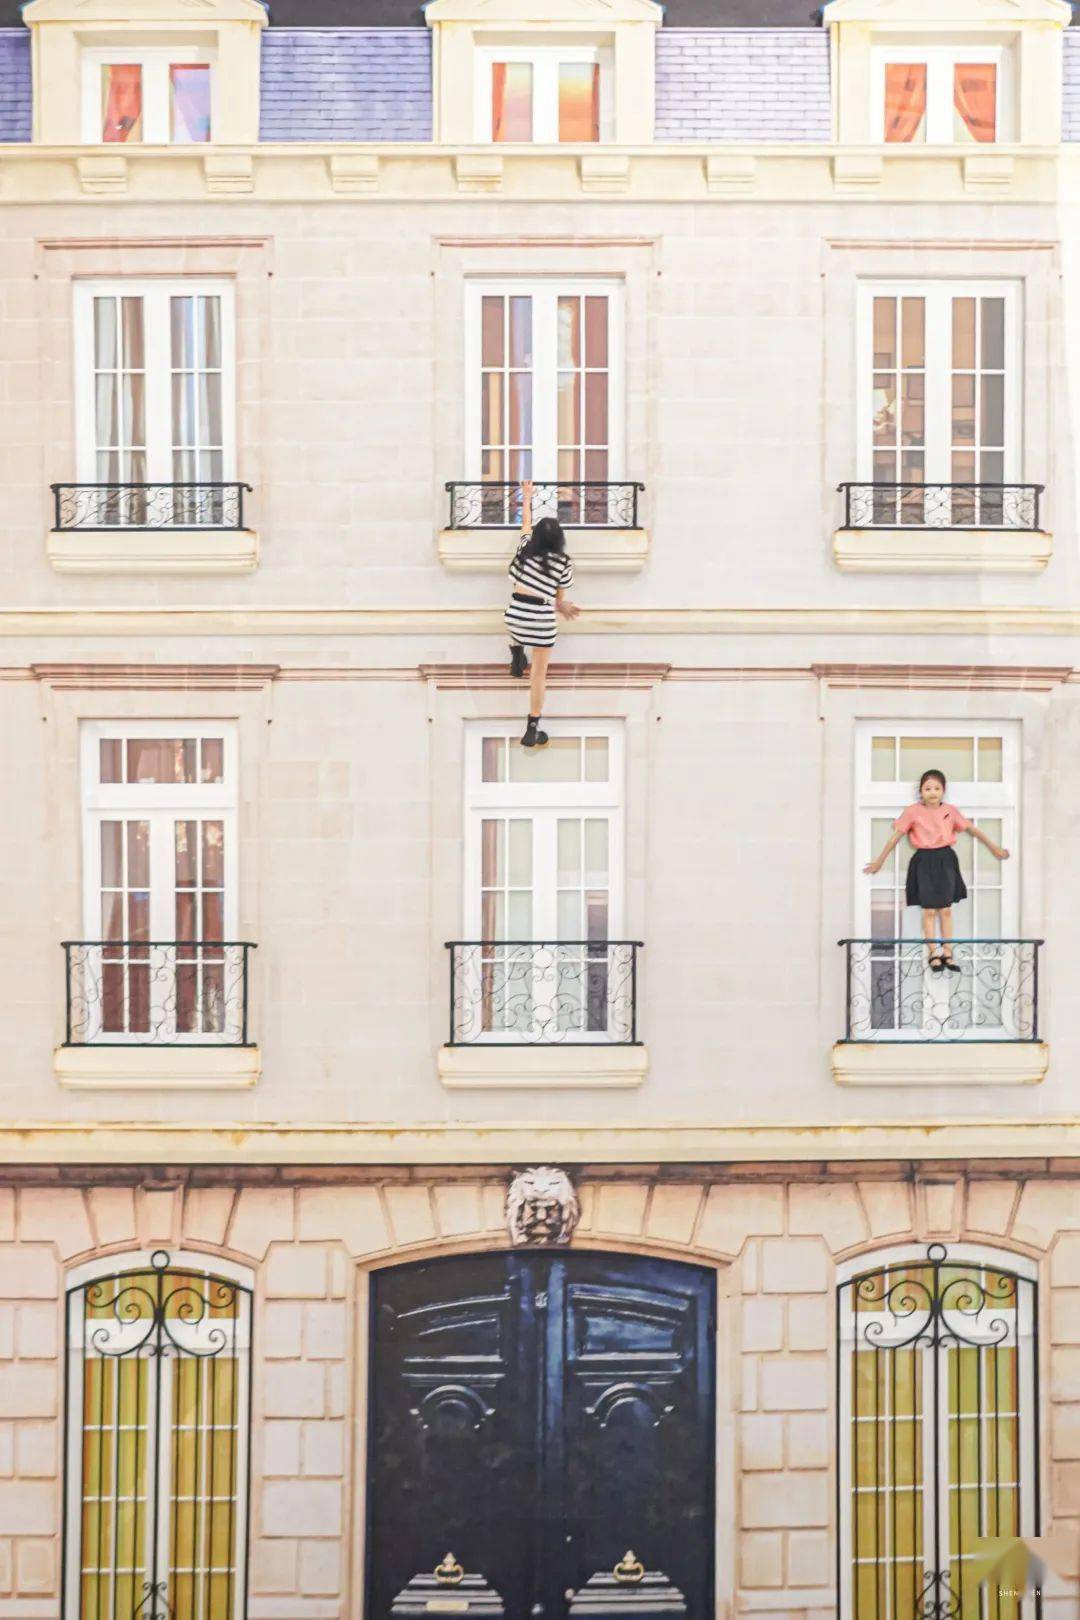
<point x="158" y="1432"/>
<point x="937" y="1444"/>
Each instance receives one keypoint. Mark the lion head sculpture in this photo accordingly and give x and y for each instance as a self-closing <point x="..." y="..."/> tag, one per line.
<point x="542" y="1206"/>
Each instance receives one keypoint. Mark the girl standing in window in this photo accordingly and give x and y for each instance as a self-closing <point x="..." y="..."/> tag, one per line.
<point x="934" y="880"/>
<point x="542" y="571"/>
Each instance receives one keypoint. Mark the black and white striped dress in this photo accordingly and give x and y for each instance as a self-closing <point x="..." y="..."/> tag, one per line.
<point x="532" y="624"/>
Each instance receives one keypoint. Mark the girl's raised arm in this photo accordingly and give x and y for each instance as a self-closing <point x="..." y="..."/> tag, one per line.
<point x="875" y="866"/>
<point x="526" y="506"/>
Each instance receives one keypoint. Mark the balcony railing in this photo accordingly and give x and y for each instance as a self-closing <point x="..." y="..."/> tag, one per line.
<point x="578" y="504"/>
<point x="892" y="994"/>
<point x="543" y="992"/>
<point x="149" y="506"/>
<point x="125" y="992"/>
<point x="941" y="506"/>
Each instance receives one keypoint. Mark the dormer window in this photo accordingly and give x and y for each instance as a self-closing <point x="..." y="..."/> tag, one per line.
<point x="543" y="93"/>
<point x="156" y="96"/>
<point x="941" y="96"/>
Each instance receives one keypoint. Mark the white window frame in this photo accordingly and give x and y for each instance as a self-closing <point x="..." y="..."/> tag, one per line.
<point x="940" y="62"/>
<point x="545" y="295"/>
<point x="161" y="804"/>
<point x="155" y="61"/>
<point x="938" y="298"/>
<point x="885" y="800"/>
<point x="108" y="1266"/>
<point x="156" y="325"/>
<point x="962" y="1254"/>
<point x="545" y="61"/>
<point x="543" y="803"/>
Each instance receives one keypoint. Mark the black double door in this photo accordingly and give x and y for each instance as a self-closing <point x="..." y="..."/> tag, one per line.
<point x="537" y="1415"/>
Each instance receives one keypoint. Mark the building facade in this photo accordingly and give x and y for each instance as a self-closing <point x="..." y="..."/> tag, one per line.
<point x="306" y="963"/>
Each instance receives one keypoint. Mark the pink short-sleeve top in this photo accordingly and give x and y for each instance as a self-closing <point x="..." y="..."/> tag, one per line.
<point x="932" y="826"/>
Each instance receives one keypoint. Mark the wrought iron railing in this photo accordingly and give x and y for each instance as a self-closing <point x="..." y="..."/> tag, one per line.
<point x="941" y="506"/>
<point x="584" y="504"/>
<point x="893" y="994"/>
<point x="127" y="992"/>
<point x="543" y="992"/>
<point x="149" y="506"/>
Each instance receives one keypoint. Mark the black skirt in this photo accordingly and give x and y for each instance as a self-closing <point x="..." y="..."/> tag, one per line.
<point x="934" y="880"/>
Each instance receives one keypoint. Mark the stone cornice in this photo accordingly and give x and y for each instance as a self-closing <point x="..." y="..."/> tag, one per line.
<point x="409" y="172"/>
<point x="134" y="1142"/>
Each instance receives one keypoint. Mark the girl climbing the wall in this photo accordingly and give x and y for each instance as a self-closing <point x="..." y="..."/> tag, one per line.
<point x="934" y="880"/>
<point x="541" y="572"/>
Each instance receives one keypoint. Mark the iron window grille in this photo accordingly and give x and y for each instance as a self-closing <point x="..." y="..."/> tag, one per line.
<point x="126" y="992"/>
<point x="937" y="1404"/>
<point x="942" y="506"/>
<point x="577" y="503"/>
<point x="543" y="993"/>
<point x="892" y="995"/>
<point x="149" y="506"/>
<point x="158" y="1417"/>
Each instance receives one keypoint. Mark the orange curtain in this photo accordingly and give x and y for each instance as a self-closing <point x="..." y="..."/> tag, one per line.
<point x="975" y="98"/>
<point x="498" y="101"/>
<point x="123" y="109"/>
<point x="905" y="99"/>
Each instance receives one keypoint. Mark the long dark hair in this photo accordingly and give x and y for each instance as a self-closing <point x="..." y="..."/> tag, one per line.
<point x="546" y="541"/>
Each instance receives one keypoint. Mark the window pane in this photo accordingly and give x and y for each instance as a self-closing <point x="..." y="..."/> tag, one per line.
<point x="913" y="334"/>
<point x="596" y="407"/>
<point x="110" y="756"/>
<point x="213" y="915"/>
<point x="993" y="333"/>
<point x="560" y="761"/>
<point x="121" y="101"/>
<point x="209" y="398"/>
<point x="161" y="759"/>
<point x="213" y="854"/>
<point x="112" y="857"/>
<point x="905" y="101"/>
<point x="596" y="332"/>
<point x="519" y="871"/>
<point x="963" y="408"/>
<point x="990" y="759"/>
<point x="883" y="759"/>
<point x="579" y="101"/>
<point x="189" y="102"/>
<point x="491" y="331"/>
<point x="213" y="760"/>
<point x="133" y="332"/>
<point x="519" y="923"/>
<point x="596" y="852"/>
<point x="568" y="924"/>
<point x="975" y="101"/>
<point x="132" y="400"/>
<point x="596" y="759"/>
<point x="104" y="332"/>
<point x="491" y="853"/>
<point x="520" y="407"/>
<point x="955" y="756"/>
<point x="569" y="326"/>
<point x="992" y="426"/>
<point x="138" y="854"/>
<point x="187" y="874"/>
<point x="885" y="333"/>
<point x="491" y="407"/>
<point x="964" y="333"/>
<point x="511" y="101"/>
<point x="493" y="759"/>
<point x="568" y="873"/>
<point x="569" y="407"/>
<point x="521" y="331"/>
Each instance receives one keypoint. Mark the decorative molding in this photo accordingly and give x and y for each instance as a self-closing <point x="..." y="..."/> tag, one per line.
<point x="353" y="174"/>
<point x="239" y="1143"/>
<point x="605" y="173"/>
<point x="488" y="551"/>
<point x="155" y="677"/>
<point x="542" y="1207"/>
<point x="166" y="1068"/>
<point x="71" y="244"/>
<point x="984" y="171"/>
<point x="857" y="172"/>
<point x="939" y="677"/>
<point x="478" y="171"/>
<point x="229" y="174"/>
<point x="561" y="677"/>
<point x="942" y="551"/>
<point x="730" y="174"/>
<point x="940" y="1063"/>
<point x="152" y="551"/>
<point x="102" y="174"/>
<point x="1001" y="620"/>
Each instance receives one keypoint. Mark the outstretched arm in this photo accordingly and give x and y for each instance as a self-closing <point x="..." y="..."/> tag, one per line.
<point x="526" y="506"/>
<point x="995" y="849"/>
<point x="875" y="866"/>
<point x="564" y="606"/>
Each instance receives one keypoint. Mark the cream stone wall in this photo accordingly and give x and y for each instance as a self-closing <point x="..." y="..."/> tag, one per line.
<point x="776" y="1238"/>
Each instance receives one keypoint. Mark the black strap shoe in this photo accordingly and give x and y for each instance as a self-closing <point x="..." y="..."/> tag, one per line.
<point x="534" y="737"/>
<point x="519" y="664"/>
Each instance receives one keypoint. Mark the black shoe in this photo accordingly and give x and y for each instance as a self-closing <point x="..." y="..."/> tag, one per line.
<point x="519" y="664"/>
<point x="950" y="966"/>
<point x="534" y="738"/>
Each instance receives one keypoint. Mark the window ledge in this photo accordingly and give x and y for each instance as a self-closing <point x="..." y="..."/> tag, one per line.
<point x="960" y="1063"/>
<point x="531" y="1068"/>
<point x="488" y="551"/>
<point x="157" y="1068"/>
<point x="942" y="551"/>
<point x="153" y="551"/>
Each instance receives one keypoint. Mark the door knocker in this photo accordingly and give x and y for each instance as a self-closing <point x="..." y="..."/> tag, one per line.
<point x="629" y="1570"/>
<point x="449" y="1572"/>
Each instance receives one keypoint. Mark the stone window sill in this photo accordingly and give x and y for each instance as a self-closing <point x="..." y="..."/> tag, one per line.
<point x="942" y="551"/>
<point x="542" y="1068"/>
<point x="153" y="551"/>
<point x="157" y="1068"/>
<point x="960" y="1063"/>
<point x="488" y="551"/>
